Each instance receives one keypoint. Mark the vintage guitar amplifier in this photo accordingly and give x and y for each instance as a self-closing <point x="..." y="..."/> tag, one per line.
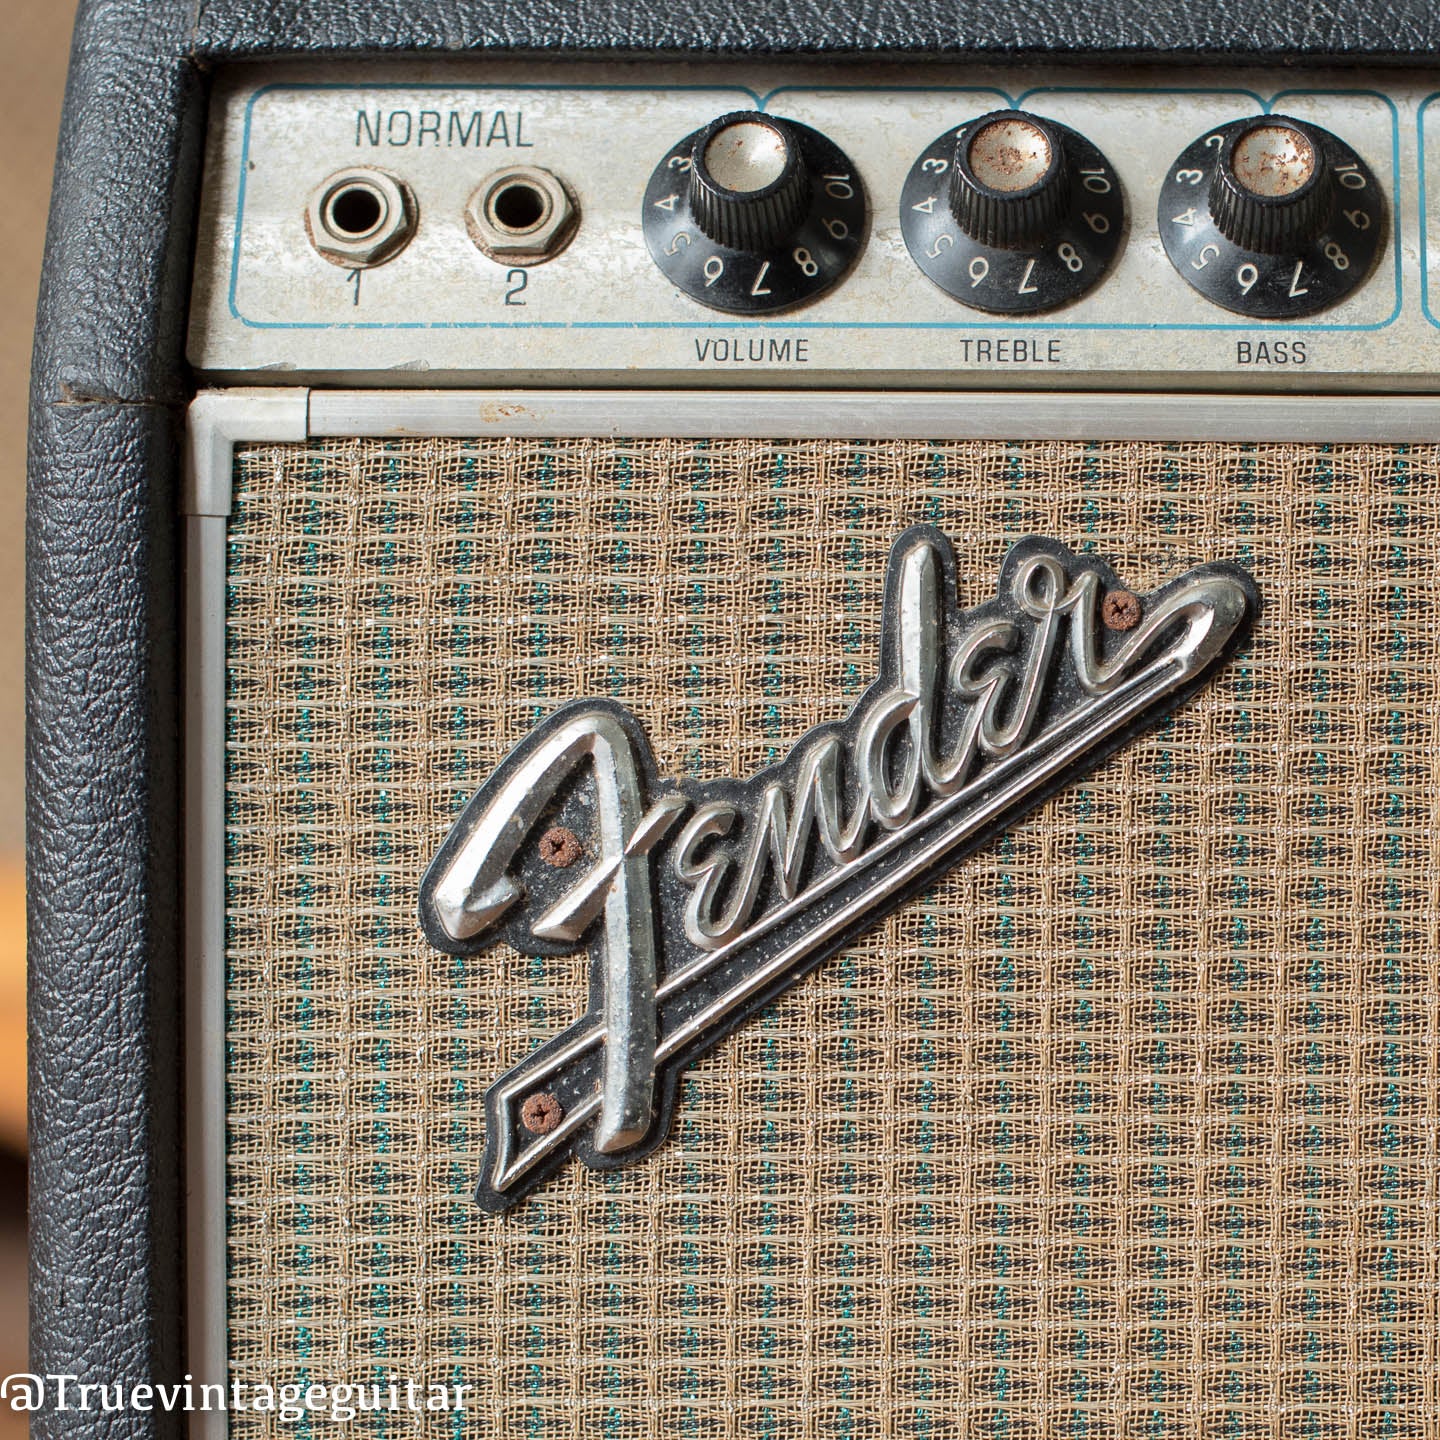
<point x="771" y="768"/>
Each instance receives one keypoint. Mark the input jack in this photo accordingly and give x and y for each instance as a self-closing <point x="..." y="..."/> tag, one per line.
<point x="360" y="217"/>
<point x="522" y="215"/>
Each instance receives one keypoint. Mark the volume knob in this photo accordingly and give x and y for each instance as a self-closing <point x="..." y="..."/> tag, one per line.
<point x="752" y="214"/>
<point x="748" y="186"/>
<point x="1008" y="183"/>
<point x="1272" y="190"/>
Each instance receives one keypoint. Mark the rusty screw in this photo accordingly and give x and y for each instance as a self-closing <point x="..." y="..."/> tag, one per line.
<point x="1120" y="610"/>
<point x="560" y="847"/>
<point x="541" y="1113"/>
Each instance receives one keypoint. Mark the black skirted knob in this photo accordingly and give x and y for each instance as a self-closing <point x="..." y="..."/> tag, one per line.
<point x="1009" y="183"/>
<point x="1272" y="190"/>
<point x="749" y="189"/>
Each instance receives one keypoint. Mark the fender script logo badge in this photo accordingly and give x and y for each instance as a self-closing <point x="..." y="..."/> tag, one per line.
<point x="699" y="902"/>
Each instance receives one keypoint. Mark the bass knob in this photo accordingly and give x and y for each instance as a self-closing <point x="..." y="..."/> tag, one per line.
<point x="1272" y="189"/>
<point x="1272" y="217"/>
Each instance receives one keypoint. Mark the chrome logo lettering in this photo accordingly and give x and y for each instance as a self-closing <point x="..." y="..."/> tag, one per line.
<point x="699" y="902"/>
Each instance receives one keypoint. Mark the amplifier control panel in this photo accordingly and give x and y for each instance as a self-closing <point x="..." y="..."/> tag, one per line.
<point x="910" y="226"/>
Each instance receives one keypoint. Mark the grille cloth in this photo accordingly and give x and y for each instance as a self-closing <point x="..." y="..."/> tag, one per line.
<point x="1128" y="1127"/>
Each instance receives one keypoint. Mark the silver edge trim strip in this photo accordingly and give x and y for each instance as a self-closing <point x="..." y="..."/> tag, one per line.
<point x="220" y="419"/>
<point x="204" y="872"/>
<point x="215" y="423"/>
<point x="878" y="414"/>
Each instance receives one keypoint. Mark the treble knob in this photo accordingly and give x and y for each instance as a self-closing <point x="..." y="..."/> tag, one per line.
<point x="1008" y="183"/>
<point x="754" y="213"/>
<point x="1013" y="213"/>
<point x="1272" y="217"/>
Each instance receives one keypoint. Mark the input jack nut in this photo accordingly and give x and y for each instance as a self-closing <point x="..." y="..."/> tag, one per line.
<point x="360" y="217"/>
<point x="522" y="215"/>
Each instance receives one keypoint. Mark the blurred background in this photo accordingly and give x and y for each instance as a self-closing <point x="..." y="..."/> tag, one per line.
<point x="34" y="40"/>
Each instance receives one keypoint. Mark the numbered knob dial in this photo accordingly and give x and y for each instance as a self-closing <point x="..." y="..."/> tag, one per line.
<point x="1272" y="217"/>
<point x="1013" y="213"/>
<point x="754" y="214"/>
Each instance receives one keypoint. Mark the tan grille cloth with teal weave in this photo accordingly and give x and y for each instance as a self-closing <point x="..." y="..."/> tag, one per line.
<point x="1126" y="1128"/>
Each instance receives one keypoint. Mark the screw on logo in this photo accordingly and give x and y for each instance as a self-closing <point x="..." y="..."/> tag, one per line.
<point x="699" y="902"/>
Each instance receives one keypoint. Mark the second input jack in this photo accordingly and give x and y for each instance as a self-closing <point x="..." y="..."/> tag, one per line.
<point x="523" y="215"/>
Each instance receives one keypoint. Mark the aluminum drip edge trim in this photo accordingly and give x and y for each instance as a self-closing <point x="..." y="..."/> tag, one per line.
<point x="879" y="415"/>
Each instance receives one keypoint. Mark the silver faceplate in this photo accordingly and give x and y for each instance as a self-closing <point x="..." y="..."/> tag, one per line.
<point x="267" y="308"/>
